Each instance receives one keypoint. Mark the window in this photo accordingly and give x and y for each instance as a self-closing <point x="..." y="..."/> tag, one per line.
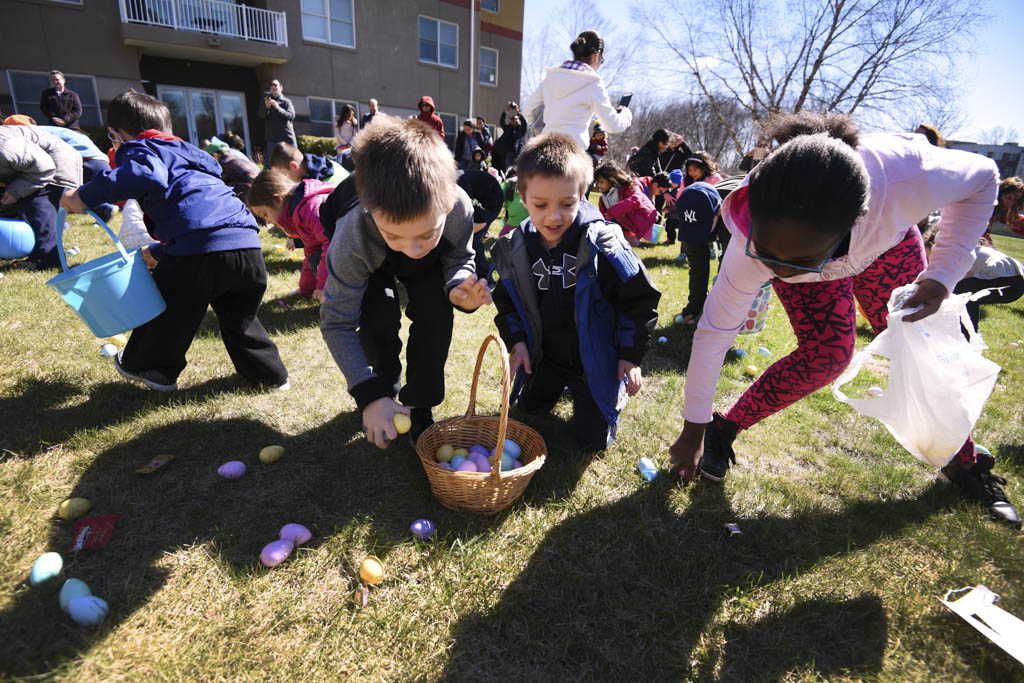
<point x="451" y="128"/>
<point x="323" y="113"/>
<point x="329" y="21"/>
<point x="27" y="86"/>
<point x="439" y="42"/>
<point x="489" y="66"/>
<point x="489" y="6"/>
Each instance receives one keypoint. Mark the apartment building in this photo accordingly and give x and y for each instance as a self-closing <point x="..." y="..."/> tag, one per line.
<point x="1009" y="157"/>
<point x="211" y="60"/>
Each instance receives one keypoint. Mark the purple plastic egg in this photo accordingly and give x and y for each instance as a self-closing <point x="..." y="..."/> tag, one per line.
<point x="516" y="464"/>
<point x="423" y="529"/>
<point x="477" y="448"/>
<point x="445" y="465"/>
<point x="296" y="533"/>
<point x="482" y="464"/>
<point x="276" y="552"/>
<point x="466" y="466"/>
<point x="232" y="470"/>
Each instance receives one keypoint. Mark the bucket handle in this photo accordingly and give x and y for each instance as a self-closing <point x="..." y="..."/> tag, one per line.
<point x="62" y="215"/>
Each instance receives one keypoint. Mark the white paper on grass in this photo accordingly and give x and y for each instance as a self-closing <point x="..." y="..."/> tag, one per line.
<point x="977" y="608"/>
<point x="938" y="381"/>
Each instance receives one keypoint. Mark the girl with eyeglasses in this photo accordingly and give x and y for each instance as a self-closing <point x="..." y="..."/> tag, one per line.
<point x="829" y="218"/>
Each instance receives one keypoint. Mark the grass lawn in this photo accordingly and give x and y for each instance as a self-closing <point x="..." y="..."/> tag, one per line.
<point x="847" y="540"/>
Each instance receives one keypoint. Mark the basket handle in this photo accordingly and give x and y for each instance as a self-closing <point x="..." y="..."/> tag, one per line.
<point x="506" y="390"/>
<point x="62" y="216"/>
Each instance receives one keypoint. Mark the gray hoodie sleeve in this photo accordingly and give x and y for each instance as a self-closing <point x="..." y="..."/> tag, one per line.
<point x="458" y="263"/>
<point x="32" y="166"/>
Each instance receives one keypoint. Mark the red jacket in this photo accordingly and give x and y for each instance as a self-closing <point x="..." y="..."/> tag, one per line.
<point x="634" y="211"/>
<point x="301" y="218"/>
<point x="430" y="118"/>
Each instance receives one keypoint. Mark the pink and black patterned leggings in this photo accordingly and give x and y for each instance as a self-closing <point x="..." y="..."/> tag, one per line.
<point x="824" y="318"/>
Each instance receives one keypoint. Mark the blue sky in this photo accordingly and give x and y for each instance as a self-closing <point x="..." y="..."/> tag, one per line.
<point x="993" y="88"/>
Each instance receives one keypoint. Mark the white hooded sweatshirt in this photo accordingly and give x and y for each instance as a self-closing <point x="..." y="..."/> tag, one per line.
<point x="571" y="98"/>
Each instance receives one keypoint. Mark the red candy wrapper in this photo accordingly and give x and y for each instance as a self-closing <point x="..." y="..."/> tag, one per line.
<point x="155" y="464"/>
<point x="93" y="532"/>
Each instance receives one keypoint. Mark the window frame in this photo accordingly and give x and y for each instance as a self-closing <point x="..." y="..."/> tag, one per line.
<point x="437" y="52"/>
<point x="496" y="10"/>
<point x="46" y="74"/>
<point x="452" y="132"/>
<point x="497" y="60"/>
<point x="327" y="19"/>
<point x="334" y="112"/>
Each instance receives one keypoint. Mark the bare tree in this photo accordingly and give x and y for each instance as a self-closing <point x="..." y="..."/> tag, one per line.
<point x="875" y="58"/>
<point x="565" y="21"/>
<point x="997" y="135"/>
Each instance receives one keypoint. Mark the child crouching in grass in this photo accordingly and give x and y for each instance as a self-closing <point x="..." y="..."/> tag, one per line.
<point x="575" y="304"/>
<point x="295" y="208"/>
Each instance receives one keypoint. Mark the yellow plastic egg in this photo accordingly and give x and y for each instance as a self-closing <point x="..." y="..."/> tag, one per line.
<point x="445" y="453"/>
<point x="402" y="423"/>
<point x="119" y="339"/>
<point x="372" y="570"/>
<point x="271" y="454"/>
<point x="464" y="452"/>
<point x="73" y="508"/>
<point x="750" y="371"/>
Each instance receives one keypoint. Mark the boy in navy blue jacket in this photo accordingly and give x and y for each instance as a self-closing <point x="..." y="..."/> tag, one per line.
<point x="208" y="252"/>
<point x="575" y="304"/>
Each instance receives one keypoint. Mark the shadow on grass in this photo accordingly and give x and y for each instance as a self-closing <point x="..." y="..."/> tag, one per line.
<point x="277" y="266"/>
<point x="628" y="591"/>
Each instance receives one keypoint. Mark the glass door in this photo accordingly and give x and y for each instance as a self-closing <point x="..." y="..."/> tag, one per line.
<point x="199" y="114"/>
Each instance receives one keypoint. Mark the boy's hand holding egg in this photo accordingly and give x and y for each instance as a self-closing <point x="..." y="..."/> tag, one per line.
<point x="630" y="372"/>
<point x="470" y="294"/>
<point x="379" y="419"/>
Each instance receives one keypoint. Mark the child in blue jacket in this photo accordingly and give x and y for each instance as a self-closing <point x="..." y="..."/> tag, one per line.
<point x="575" y="304"/>
<point x="207" y="251"/>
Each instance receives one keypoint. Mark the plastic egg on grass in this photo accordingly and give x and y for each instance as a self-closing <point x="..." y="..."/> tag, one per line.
<point x="88" y="610"/>
<point x="296" y="533"/>
<point x="72" y="588"/>
<point x="978" y="448"/>
<point x="750" y="371"/>
<point x="108" y="350"/>
<point x="1015" y="345"/>
<point x="232" y="470"/>
<point x="445" y="453"/>
<point x="73" y="508"/>
<point x="678" y="319"/>
<point x="764" y="351"/>
<point x="456" y="461"/>
<point x="740" y="353"/>
<point x="269" y="454"/>
<point x="276" y="552"/>
<point x="119" y="339"/>
<point x="875" y="391"/>
<point x="371" y="570"/>
<point x="423" y="529"/>
<point x="466" y="466"/>
<point x="663" y="340"/>
<point x="402" y="423"/>
<point x="47" y="566"/>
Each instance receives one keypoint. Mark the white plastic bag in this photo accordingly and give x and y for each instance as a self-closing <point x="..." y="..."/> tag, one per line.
<point x="938" y="381"/>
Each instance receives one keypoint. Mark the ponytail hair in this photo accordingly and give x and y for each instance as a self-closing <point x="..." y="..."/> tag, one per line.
<point x="585" y="45"/>
<point x="612" y="173"/>
<point x="816" y="178"/>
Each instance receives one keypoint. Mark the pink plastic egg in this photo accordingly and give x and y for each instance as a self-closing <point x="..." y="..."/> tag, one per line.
<point x="276" y="552"/>
<point x="466" y="466"/>
<point x="232" y="470"/>
<point x="296" y="533"/>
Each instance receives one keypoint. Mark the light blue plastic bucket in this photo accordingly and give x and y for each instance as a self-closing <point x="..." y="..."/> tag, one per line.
<point x="112" y="294"/>
<point x="656" y="233"/>
<point x="16" y="238"/>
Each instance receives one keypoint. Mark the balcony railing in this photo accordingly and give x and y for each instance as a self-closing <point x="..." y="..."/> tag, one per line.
<point x="213" y="17"/>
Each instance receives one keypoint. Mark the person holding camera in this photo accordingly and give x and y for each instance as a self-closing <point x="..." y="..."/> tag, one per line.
<point x="277" y="113"/>
<point x="510" y="143"/>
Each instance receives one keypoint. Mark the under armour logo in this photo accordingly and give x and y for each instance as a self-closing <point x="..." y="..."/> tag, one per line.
<point x="566" y="271"/>
<point x="690" y="216"/>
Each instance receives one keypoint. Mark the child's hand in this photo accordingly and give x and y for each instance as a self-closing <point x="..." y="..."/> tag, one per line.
<point x="929" y="296"/>
<point x="72" y="202"/>
<point x="318" y="294"/>
<point x="470" y="294"/>
<point x="289" y="244"/>
<point x="520" y="356"/>
<point x="8" y="199"/>
<point x="378" y="419"/>
<point x="686" y="452"/>
<point x="148" y="257"/>
<point x="631" y="373"/>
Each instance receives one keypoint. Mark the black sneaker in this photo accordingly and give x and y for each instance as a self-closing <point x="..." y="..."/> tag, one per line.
<point x="421" y="418"/>
<point x="153" y="379"/>
<point x="978" y="483"/>
<point x="718" y="453"/>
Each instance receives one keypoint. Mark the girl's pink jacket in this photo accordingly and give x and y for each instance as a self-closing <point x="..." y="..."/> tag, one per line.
<point x="301" y="218"/>
<point x="634" y="211"/>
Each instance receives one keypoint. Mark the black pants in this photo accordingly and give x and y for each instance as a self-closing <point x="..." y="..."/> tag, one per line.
<point x="671" y="224"/>
<point x="233" y="283"/>
<point x="40" y="212"/>
<point x="698" y="256"/>
<point x="430" y="334"/>
<point x="1014" y="288"/>
<point x="547" y="384"/>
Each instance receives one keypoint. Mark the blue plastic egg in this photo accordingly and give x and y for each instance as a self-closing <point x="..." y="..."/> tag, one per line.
<point x="507" y="462"/>
<point x="456" y="461"/>
<point x="45" y="568"/>
<point x="763" y="350"/>
<point x="88" y="610"/>
<point x="740" y="353"/>
<point x="72" y="588"/>
<point x="423" y="529"/>
<point x="978" y="448"/>
<point x="512" y="448"/>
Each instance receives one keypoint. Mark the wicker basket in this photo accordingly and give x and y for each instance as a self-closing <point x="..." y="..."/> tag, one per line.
<point x="482" y="492"/>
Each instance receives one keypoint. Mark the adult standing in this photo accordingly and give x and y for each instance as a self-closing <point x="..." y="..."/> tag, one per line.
<point x="368" y="116"/>
<point x="513" y="135"/>
<point x="345" y="128"/>
<point x="572" y="94"/>
<point x="277" y="113"/>
<point x="61" y="107"/>
<point x="427" y="115"/>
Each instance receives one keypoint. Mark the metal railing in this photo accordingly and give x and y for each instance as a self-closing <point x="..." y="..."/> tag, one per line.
<point x="214" y="17"/>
